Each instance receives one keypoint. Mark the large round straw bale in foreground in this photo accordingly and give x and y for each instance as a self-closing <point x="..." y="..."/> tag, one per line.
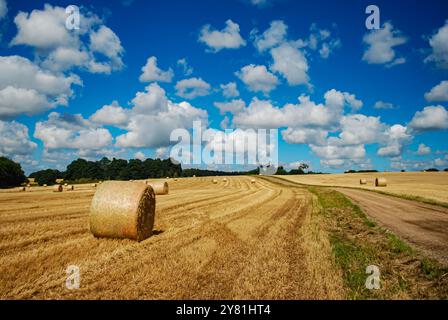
<point x="160" y="187"/>
<point x="123" y="210"/>
<point x="57" y="188"/>
<point x="362" y="181"/>
<point x="380" y="182"/>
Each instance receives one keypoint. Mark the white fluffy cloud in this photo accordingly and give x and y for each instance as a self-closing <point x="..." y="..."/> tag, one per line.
<point x="397" y="137"/>
<point x="65" y="131"/>
<point x="438" y="93"/>
<point x="14" y="139"/>
<point x="26" y="88"/>
<point x="423" y="150"/>
<point x="150" y="72"/>
<point x="305" y="136"/>
<point x="291" y="63"/>
<point x="272" y="37"/>
<point x="383" y="105"/>
<point x="234" y="106"/>
<point x="111" y="115"/>
<point x="153" y="117"/>
<point x="192" y="88"/>
<point x="3" y="9"/>
<point x="186" y="68"/>
<point x="258" y="78"/>
<point x="439" y="46"/>
<point x="230" y="90"/>
<point x="380" y="45"/>
<point x="94" y="47"/>
<point x="430" y="118"/>
<point x="227" y="38"/>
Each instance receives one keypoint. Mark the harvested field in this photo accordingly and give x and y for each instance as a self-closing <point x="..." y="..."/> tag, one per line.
<point x="271" y="242"/>
<point x="432" y="186"/>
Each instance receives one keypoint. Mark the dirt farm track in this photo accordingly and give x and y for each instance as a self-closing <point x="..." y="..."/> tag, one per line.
<point x="231" y="240"/>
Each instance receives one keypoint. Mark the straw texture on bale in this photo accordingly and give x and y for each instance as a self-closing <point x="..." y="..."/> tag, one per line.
<point x="160" y="187"/>
<point x="57" y="188"/>
<point x="123" y="210"/>
<point x="362" y="181"/>
<point x="381" y="182"/>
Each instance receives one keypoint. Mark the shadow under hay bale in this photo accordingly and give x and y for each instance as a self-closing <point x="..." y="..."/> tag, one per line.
<point x="160" y="187"/>
<point x="123" y="210"/>
<point x="380" y="182"/>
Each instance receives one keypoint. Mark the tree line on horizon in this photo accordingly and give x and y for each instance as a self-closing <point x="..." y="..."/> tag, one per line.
<point x="83" y="171"/>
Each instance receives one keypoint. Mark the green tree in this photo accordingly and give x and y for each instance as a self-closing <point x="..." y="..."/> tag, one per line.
<point x="11" y="173"/>
<point x="47" y="176"/>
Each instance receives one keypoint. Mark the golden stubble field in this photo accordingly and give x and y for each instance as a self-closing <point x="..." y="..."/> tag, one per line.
<point x="428" y="185"/>
<point x="233" y="240"/>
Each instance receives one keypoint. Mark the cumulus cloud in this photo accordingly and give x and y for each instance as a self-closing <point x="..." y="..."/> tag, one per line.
<point x="150" y="72"/>
<point x="397" y="137"/>
<point x="258" y="78"/>
<point x="192" y="88"/>
<point x="3" y="9"/>
<point x="153" y="117"/>
<point x="305" y="136"/>
<point x="272" y="37"/>
<point x="230" y="90"/>
<point x="27" y="89"/>
<point x="383" y="105"/>
<point x="381" y="43"/>
<point x="139" y="155"/>
<point x="15" y="140"/>
<point x="291" y="63"/>
<point x="430" y="118"/>
<point x="423" y="150"/>
<point x="234" y="106"/>
<point x="94" y="47"/>
<point x="110" y="115"/>
<point x="66" y="131"/>
<point x="227" y="38"/>
<point x="439" y="46"/>
<point x="438" y="93"/>
<point x="186" y="68"/>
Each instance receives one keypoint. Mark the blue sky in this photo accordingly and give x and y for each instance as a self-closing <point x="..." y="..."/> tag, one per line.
<point x="369" y="98"/>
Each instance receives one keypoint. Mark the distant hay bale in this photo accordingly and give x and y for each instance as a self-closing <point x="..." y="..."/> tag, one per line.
<point x="225" y="179"/>
<point x="21" y="189"/>
<point x="215" y="181"/>
<point x="65" y="184"/>
<point x="175" y="179"/>
<point x="57" y="188"/>
<point x="159" y="187"/>
<point x="28" y="185"/>
<point x="252" y="181"/>
<point x="380" y="182"/>
<point x="194" y="176"/>
<point x="45" y="185"/>
<point x="123" y="210"/>
<point x="93" y="185"/>
<point x="362" y="181"/>
<point x="70" y="188"/>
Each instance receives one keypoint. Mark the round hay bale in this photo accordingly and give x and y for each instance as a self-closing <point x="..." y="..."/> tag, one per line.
<point x="57" y="188"/>
<point x="70" y="188"/>
<point x="215" y="181"/>
<point x="362" y="181"/>
<point x="45" y="185"/>
<point x="252" y="181"/>
<point x="21" y="189"/>
<point x="175" y="179"/>
<point x="225" y="179"/>
<point x="194" y="176"/>
<point x="93" y="185"/>
<point x="28" y="185"/>
<point x="123" y="210"/>
<point x="380" y="182"/>
<point x="65" y="184"/>
<point x="159" y="187"/>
